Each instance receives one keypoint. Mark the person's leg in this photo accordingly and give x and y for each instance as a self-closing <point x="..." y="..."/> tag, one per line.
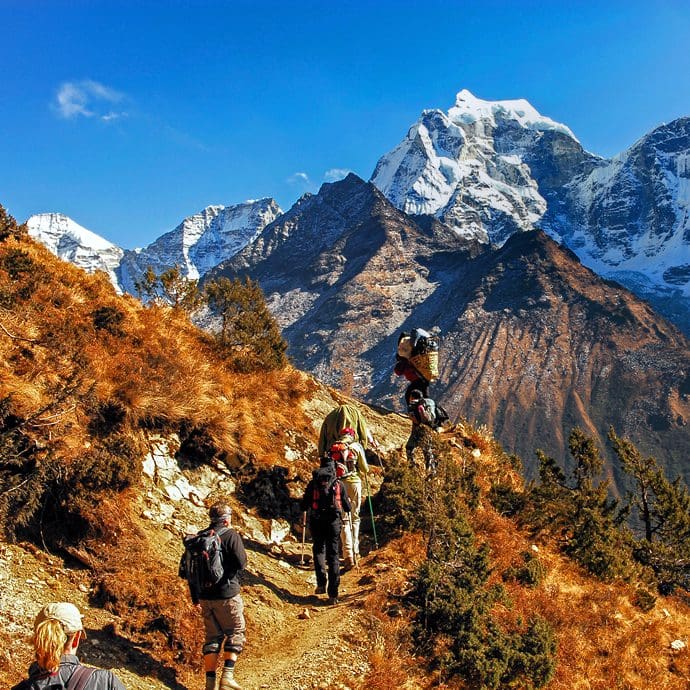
<point x="347" y="543"/>
<point x="412" y="442"/>
<point x="232" y="621"/>
<point x="318" y="534"/>
<point x="347" y="533"/>
<point x="356" y="503"/>
<point x="213" y="638"/>
<point x="333" y="558"/>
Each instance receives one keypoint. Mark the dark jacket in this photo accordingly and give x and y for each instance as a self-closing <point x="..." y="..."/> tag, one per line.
<point x="38" y="679"/>
<point x="307" y="501"/>
<point x="234" y="561"/>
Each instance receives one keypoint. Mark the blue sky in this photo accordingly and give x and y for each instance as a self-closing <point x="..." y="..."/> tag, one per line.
<point x="129" y="116"/>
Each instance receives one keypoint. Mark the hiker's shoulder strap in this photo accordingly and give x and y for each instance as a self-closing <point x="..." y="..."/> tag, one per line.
<point x="80" y="678"/>
<point x="26" y="684"/>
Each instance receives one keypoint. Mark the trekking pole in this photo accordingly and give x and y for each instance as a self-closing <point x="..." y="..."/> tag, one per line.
<point x="304" y="534"/>
<point x="371" y="510"/>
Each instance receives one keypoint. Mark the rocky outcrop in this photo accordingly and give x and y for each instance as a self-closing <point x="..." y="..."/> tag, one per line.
<point x="492" y="168"/>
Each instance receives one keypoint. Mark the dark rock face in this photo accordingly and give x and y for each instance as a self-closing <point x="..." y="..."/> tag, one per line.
<point x="543" y="344"/>
<point x="532" y="342"/>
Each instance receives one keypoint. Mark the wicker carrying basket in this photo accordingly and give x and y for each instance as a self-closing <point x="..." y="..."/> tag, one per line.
<point x="426" y="364"/>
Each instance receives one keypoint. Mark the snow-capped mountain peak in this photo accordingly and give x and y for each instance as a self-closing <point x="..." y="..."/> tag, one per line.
<point x="468" y="109"/>
<point x="56" y="228"/>
<point x="196" y="245"/>
<point x="74" y="243"/>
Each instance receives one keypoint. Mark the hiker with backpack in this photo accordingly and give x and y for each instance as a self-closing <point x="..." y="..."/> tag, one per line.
<point x="417" y="361"/>
<point x="325" y="500"/>
<point x="351" y="465"/>
<point x="426" y="416"/>
<point x="211" y="563"/>
<point x="58" y="630"/>
<point x="339" y="418"/>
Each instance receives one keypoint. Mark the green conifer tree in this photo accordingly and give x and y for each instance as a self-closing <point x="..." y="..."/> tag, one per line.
<point x="248" y="333"/>
<point x="663" y="508"/>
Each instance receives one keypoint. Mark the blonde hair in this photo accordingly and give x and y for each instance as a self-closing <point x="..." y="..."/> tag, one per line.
<point x="50" y="641"/>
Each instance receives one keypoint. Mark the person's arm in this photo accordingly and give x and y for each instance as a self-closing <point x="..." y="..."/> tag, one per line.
<point x="238" y="551"/>
<point x="305" y="503"/>
<point x="362" y="464"/>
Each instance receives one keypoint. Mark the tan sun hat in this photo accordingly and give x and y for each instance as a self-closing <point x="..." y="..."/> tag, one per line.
<point x="67" y="614"/>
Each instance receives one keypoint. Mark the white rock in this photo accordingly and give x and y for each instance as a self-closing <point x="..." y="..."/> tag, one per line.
<point x="678" y="645"/>
<point x="535" y="548"/>
<point x="279" y="530"/>
<point x="291" y="454"/>
<point x="149" y="466"/>
<point x="476" y="453"/>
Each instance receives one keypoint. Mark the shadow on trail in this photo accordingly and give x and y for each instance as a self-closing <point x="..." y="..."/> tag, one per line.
<point x="251" y="578"/>
<point x="133" y="657"/>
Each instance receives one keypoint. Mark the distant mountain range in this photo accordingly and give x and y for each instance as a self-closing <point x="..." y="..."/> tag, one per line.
<point x="196" y="245"/>
<point x="486" y="169"/>
<point x="483" y="223"/>
<point x="533" y="342"/>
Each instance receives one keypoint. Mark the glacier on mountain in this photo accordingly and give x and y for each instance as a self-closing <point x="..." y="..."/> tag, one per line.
<point x="492" y="168"/>
<point x="196" y="245"/>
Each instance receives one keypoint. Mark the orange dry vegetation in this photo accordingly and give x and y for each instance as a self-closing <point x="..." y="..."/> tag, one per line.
<point x="81" y="367"/>
<point x="151" y="369"/>
<point x="604" y="641"/>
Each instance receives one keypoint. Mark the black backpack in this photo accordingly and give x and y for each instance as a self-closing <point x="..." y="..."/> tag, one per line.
<point x="326" y="499"/>
<point x="427" y="411"/>
<point x="202" y="561"/>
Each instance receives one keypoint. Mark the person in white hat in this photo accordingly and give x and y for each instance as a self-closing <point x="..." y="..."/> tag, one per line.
<point x="58" y="630"/>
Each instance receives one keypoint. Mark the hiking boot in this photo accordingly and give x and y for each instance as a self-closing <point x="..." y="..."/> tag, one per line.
<point x="320" y="589"/>
<point x="348" y="564"/>
<point x="227" y="680"/>
<point x="332" y="601"/>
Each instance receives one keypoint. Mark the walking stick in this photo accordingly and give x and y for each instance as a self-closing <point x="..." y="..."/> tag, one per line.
<point x="371" y="510"/>
<point x="304" y="534"/>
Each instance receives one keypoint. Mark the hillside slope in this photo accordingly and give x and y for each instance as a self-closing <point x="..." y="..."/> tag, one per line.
<point x="116" y="432"/>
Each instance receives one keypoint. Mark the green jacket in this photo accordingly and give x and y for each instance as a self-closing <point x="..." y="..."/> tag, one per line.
<point x="338" y="419"/>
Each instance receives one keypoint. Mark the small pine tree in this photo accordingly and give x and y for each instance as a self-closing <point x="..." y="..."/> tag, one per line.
<point x="452" y="598"/>
<point x="663" y="508"/>
<point x="249" y="332"/>
<point x="587" y="522"/>
<point x="171" y="288"/>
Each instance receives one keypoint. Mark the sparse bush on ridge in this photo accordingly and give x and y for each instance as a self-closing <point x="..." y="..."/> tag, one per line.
<point x="452" y="598"/>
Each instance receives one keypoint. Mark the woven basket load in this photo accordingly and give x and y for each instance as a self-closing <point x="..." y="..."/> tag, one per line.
<point x="426" y="364"/>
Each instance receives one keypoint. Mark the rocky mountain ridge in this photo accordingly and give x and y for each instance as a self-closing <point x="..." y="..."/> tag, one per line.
<point x="492" y="168"/>
<point x="486" y="169"/>
<point x="533" y="342"/>
<point x="196" y="245"/>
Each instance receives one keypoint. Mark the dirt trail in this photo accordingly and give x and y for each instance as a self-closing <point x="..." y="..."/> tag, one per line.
<point x="308" y="644"/>
<point x="284" y="650"/>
